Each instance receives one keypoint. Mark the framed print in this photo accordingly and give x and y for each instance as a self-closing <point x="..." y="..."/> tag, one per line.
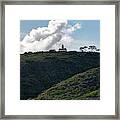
<point x="59" y="59"/>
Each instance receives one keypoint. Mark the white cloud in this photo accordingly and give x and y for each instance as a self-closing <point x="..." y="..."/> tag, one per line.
<point x="74" y="28"/>
<point x="22" y="34"/>
<point x="66" y="40"/>
<point x="51" y="37"/>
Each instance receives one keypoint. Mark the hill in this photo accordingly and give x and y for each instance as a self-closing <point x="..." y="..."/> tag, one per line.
<point x="42" y="70"/>
<point x="85" y="86"/>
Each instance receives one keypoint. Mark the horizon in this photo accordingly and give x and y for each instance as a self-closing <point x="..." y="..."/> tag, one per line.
<point x="43" y="35"/>
<point x="56" y="51"/>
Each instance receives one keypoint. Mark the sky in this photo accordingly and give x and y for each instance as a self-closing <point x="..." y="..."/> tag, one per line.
<point x="40" y="35"/>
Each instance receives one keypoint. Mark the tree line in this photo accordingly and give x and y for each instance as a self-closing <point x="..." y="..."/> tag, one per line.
<point x="91" y="48"/>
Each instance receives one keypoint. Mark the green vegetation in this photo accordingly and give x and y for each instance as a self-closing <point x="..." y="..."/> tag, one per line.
<point x="42" y="70"/>
<point x="81" y="86"/>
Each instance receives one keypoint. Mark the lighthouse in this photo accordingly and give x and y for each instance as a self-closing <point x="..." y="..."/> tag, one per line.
<point x="63" y="49"/>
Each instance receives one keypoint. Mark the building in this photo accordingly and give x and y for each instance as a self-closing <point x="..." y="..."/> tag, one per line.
<point x="52" y="51"/>
<point x="62" y="49"/>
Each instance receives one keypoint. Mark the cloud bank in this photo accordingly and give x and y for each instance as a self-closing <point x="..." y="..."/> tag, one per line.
<point x="51" y="37"/>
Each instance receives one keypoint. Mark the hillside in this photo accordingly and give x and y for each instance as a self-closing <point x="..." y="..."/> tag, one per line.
<point x="42" y="70"/>
<point x="85" y="86"/>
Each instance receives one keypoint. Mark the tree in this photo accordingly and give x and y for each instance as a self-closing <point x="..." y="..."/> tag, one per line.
<point x="98" y="50"/>
<point x="82" y="49"/>
<point x="92" y="48"/>
<point x="85" y="47"/>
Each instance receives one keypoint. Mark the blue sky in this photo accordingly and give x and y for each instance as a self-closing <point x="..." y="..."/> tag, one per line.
<point x="88" y="34"/>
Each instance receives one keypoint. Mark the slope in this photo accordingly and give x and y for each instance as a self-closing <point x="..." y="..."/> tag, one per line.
<point x="82" y="86"/>
<point x="40" y="71"/>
